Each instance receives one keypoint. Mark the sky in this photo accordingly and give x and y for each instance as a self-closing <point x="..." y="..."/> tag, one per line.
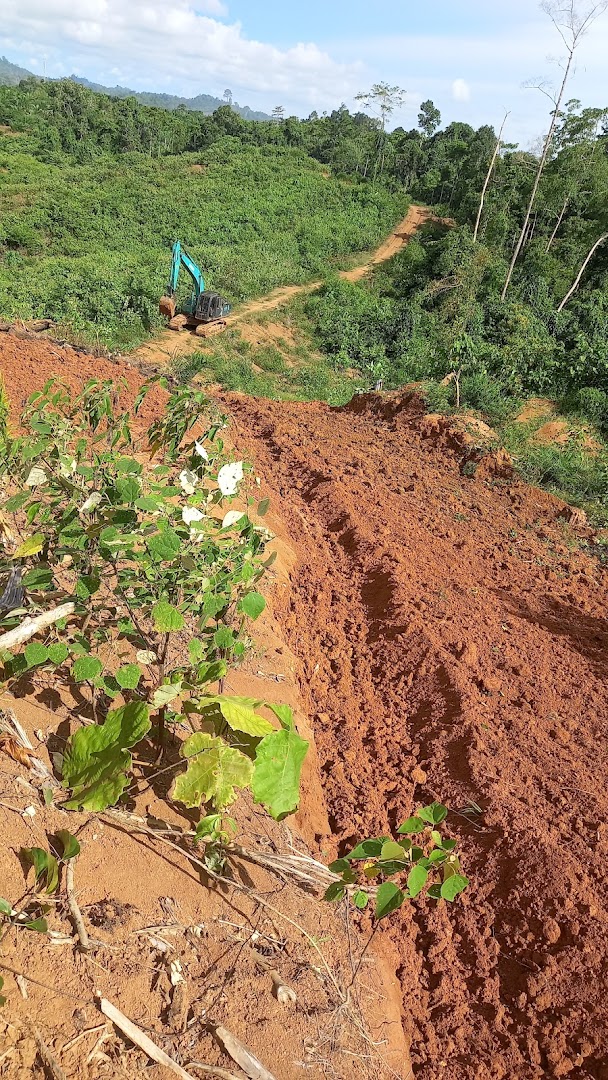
<point x="470" y="57"/>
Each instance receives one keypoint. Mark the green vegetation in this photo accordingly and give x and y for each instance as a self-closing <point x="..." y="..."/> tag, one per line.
<point x="95" y="191"/>
<point x="427" y="863"/>
<point x="155" y="567"/>
<point x="284" y="368"/>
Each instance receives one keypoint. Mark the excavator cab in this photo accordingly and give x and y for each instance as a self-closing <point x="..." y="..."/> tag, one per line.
<point x="211" y="306"/>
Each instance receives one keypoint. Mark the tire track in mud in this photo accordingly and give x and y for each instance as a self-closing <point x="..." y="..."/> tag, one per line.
<point x="451" y="647"/>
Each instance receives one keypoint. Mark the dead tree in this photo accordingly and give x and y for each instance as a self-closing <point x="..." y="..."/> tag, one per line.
<point x="571" y="24"/>
<point x="489" y="177"/>
<point x="577" y="280"/>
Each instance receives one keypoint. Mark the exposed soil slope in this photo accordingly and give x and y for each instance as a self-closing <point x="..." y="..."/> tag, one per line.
<point x="452" y="647"/>
<point x="169" y="344"/>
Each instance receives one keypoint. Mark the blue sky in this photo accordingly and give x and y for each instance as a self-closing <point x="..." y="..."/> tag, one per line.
<point x="470" y="57"/>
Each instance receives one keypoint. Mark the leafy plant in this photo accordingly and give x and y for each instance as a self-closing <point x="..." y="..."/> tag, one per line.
<point x="163" y="580"/>
<point x="30" y="915"/>
<point x="429" y="863"/>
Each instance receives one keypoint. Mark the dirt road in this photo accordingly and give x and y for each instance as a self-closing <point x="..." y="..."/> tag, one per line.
<point x="453" y="648"/>
<point x="169" y="344"/>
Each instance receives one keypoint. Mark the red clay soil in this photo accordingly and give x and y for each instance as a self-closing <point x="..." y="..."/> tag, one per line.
<point x="450" y="647"/>
<point x="453" y="648"/>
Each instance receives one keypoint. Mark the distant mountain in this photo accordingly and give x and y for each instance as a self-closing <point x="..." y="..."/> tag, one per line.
<point x="12" y="74"/>
<point x="204" y="103"/>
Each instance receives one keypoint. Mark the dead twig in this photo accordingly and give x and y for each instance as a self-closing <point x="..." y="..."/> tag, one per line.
<point x="249" y="1063"/>
<point x="137" y="1036"/>
<point x="47" y="1057"/>
<point x="76" y="1038"/>
<point x="75" y="912"/>
<point x="213" y="1070"/>
<point x="29" y="626"/>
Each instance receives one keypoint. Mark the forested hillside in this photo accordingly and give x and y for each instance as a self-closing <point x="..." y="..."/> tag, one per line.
<point x="94" y="191"/>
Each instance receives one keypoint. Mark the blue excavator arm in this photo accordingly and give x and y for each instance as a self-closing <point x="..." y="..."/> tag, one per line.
<point x="181" y="258"/>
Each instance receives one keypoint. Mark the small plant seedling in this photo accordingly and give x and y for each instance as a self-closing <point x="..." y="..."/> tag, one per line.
<point x="420" y="858"/>
<point x="47" y="866"/>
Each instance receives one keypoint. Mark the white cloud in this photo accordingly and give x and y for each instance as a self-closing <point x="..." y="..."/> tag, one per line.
<point x="461" y="90"/>
<point x="181" y="46"/>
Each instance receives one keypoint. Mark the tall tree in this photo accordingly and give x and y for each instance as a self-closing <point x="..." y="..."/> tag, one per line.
<point x="278" y="113"/>
<point x="382" y="100"/>
<point x="571" y="20"/>
<point x="429" y="118"/>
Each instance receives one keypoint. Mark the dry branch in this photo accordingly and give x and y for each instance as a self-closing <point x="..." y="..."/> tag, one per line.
<point x="139" y="1037"/>
<point x="47" y="1057"/>
<point x="249" y="1063"/>
<point x="29" y="627"/>
<point x="75" y="911"/>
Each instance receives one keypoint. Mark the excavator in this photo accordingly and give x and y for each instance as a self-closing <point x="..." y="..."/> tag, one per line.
<point x="205" y="312"/>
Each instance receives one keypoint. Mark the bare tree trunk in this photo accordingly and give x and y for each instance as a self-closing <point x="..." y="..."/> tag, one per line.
<point x="539" y="173"/>
<point x="557" y="225"/>
<point x="577" y="282"/>
<point x="571" y="30"/>
<point x="489" y="177"/>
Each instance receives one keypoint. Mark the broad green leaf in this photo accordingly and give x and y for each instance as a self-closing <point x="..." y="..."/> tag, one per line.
<point x="164" y="694"/>
<point x="434" y="814"/>
<point x="388" y="899"/>
<point x="167" y="618"/>
<point x="45" y="866"/>
<point x="339" y="866"/>
<point x="35" y="654"/>
<point x="196" y="651"/>
<point x="284" y="713"/>
<point x="434" y="892"/>
<point x="252" y="605"/>
<point x="437" y="855"/>
<point x="37" y="578"/>
<point x="96" y="758"/>
<point x="448" y="845"/>
<point x="39" y="925"/>
<point x="127" y="490"/>
<point x="58" y="652"/>
<point x="239" y="713"/>
<point x="334" y="892"/>
<point x="208" y="826"/>
<point x="360" y="899"/>
<point x="69" y="844"/>
<point x="263" y="507"/>
<point x="215" y="770"/>
<point x="128" y="466"/>
<point x="87" y="586"/>
<point x="452" y="886"/>
<point x="86" y="668"/>
<point x="368" y="849"/>
<point x="5" y="907"/>
<point x="164" y="545"/>
<point x="278" y="764"/>
<point x="412" y="825"/>
<point x="223" y="637"/>
<point x="416" y="880"/>
<point x="31" y="546"/>
<point x="210" y="672"/>
<point x="17" y="501"/>
<point x="128" y="676"/>
<point x="392" y="851"/>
